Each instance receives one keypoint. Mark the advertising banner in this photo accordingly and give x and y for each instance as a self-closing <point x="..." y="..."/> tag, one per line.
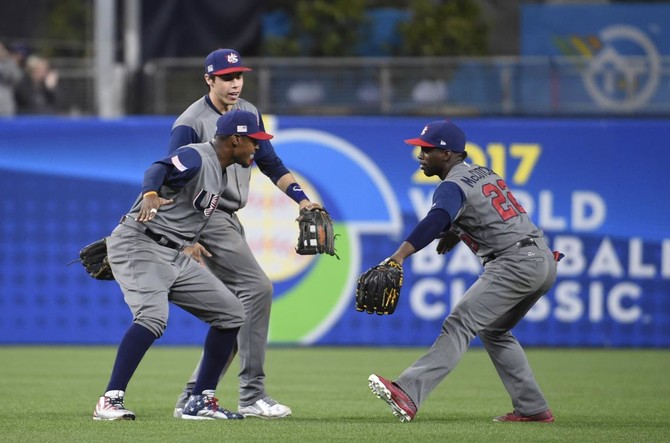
<point x="596" y="188"/>
<point x="620" y="53"/>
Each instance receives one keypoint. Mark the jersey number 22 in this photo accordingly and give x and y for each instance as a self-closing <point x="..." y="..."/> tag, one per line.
<point x="502" y="200"/>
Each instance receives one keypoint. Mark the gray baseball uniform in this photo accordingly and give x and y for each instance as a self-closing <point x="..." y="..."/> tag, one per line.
<point x="143" y="264"/>
<point x="232" y="260"/>
<point x="519" y="268"/>
<point x="179" y="194"/>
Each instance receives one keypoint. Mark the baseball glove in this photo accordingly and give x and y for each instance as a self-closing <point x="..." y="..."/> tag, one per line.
<point x="94" y="259"/>
<point x="448" y="241"/>
<point x="316" y="234"/>
<point x="378" y="288"/>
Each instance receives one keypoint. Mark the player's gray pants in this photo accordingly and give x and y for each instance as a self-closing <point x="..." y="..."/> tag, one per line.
<point x="151" y="275"/>
<point x="234" y="264"/>
<point x="509" y="286"/>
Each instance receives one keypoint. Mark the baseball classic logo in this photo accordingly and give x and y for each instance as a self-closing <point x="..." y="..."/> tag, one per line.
<point x="311" y="292"/>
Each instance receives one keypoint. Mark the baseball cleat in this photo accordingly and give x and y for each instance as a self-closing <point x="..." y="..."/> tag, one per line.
<point x="206" y="407"/>
<point x="265" y="408"/>
<point x="543" y="417"/>
<point x="110" y="407"/>
<point x="402" y="406"/>
<point x="181" y="401"/>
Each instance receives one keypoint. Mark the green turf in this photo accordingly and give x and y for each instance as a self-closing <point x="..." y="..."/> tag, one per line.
<point x="47" y="394"/>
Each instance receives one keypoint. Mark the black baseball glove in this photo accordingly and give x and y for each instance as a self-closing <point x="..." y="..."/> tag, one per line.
<point x="94" y="259"/>
<point x="448" y="241"/>
<point x="378" y="288"/>
<point x="316" y="234"/>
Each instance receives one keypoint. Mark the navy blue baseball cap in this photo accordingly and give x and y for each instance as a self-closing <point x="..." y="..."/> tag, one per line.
<point x="240" y="122"/>
<point x="224" y="61"/>
<point x="440" y="134"/>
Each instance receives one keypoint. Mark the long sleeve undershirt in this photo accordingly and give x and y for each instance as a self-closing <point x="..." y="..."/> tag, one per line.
<point x="448" y="199"/>
<point x="175" y="170"/>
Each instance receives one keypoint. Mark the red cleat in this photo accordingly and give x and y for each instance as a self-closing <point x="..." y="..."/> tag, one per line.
<point x="542" y="417"/>
<point x="402" y="406"/>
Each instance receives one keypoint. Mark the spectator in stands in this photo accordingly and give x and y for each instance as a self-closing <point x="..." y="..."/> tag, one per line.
<point x="10" y="76"/>
<point x="20" y="52"/>
<point x="37" y="93"/>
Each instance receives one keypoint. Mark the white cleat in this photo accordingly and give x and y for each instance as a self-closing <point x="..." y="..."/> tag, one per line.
<point x="265" y="408"/>
<point x="110" y="407"/>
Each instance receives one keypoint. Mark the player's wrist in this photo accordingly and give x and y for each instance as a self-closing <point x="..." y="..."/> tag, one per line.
<point x="296" y="193"/>
<point x="149" y="193"/>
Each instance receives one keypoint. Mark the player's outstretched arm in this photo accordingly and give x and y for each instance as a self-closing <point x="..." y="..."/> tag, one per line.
<point x="404" y="250"/>
<point x="288" y="184"/>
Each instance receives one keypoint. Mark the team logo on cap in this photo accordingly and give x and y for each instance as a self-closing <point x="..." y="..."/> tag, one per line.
<point x="210" y="68"/>
<point x="424" y="130"/>
<point x="241" y="128"/>
<point x="232" y="58"/>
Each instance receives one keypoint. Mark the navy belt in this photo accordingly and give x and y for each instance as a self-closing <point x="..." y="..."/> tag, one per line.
<point x="161" y="240"/>
<point x="521" y="243"/>
<point x="158" y="238"/>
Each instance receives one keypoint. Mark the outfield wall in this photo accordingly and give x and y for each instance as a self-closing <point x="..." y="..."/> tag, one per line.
<point x="597" y="187"/>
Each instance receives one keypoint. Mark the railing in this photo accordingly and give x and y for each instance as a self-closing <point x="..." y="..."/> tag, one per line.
<point x="514" y="86"/>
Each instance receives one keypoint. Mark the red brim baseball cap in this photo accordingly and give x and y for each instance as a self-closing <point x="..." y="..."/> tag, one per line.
<point x="224" y="61"/>
<point x="230" y="71"/>
<point x="440" y="134"/>
<point x="241" y="122"/>
<point x="419" y="142"/>
<point x="260" y="135"/>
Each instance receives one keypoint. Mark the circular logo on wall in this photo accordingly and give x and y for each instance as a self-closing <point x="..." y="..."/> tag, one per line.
<point x="625" y="73"/>
<point x="312" y="292"/>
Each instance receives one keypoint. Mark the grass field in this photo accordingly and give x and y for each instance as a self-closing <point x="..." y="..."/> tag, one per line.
<point x="48" y="394"/>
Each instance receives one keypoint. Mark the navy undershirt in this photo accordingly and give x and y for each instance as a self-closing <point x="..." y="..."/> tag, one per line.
<point x="174" y="171"/>
<point x="448" y="199"/>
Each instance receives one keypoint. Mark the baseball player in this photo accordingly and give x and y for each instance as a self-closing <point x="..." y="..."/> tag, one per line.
<point x="227" y="253"/>
<point x="179" y="195"/>
<point x="473" y="204"/>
